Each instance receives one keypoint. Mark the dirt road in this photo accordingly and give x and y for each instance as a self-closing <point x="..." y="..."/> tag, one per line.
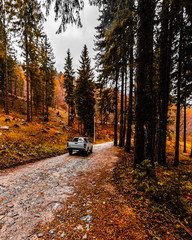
<point x="30" y="194"/>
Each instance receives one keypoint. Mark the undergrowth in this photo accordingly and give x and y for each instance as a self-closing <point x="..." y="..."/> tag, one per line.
<point x="25" y="141"/>
<point x="165" y="192"/>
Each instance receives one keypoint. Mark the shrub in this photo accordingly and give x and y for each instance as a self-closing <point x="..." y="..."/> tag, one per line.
<point x="165" y="190"/>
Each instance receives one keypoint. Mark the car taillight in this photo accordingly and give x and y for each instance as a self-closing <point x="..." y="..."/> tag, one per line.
<point x="67" y="144"/>
<point x="84" y="145"/>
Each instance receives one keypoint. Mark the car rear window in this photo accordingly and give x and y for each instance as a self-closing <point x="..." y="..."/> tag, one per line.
<point x="75" y="139"/>
<point x="80" y="139"/>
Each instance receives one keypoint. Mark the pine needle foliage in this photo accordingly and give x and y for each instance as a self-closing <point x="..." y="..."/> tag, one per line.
<point x="85" y="88"/>
<point x="69" y="85"/>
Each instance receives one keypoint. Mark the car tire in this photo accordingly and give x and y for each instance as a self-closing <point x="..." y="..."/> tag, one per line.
<point x="70" y="151"/>
<point x="91" y="150"/>
<point x="87" y="152"/>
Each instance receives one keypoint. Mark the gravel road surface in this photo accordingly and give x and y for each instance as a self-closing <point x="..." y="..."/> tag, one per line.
<point x="30" y="194"/>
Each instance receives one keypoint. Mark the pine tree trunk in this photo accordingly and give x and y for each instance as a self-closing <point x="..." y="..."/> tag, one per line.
<point x="68" y="114"/>
<point x="27" y="77"/>
<point x="125" y="108"/>
<point x="6" y="81"/>
<point x="121" y="142"/>
<point x="176" y="160"/>
<point x="165" y="59"/>
<point x="191" y="150"/>
<point x="149" y="91"/>
<point x="185" y="127"/>
<point x="43" y="102"/>
<point x="101" y="109"/>
<point x="31" y="104"/>
<point x="143" y="84"/>
<point x="130" y="107"/>
<point x="46" y="100"/>
<point x="101" y="119"/>
<point x="116" y="109"/>
<point x="15" y="90"/>
<point x="185" y="117"/>
<point x="78" y="126"/>
<point x="6" y="68"/>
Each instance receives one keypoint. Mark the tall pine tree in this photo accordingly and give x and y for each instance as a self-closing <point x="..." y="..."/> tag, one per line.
<point x="85" y="88"/>
<point x="48" y="76"/>
<point x="28" y="19"/>
<point x="69" y="86"/>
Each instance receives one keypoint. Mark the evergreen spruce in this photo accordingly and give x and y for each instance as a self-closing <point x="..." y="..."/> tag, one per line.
<point x="48" y="76"/>
<point x="85" y="100"/>
<point x="69" y="86"/>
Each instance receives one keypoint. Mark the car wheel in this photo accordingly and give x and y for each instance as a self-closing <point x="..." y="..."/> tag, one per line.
<point x="91" y="150"/>
<point x="87" y="152"/>
<point x="70" y="151"/>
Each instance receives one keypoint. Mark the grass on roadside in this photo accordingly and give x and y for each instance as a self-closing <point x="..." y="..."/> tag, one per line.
<point x="25" y="141"/>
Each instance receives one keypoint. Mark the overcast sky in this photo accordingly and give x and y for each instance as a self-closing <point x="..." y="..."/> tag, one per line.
<point x="74" y="38"/>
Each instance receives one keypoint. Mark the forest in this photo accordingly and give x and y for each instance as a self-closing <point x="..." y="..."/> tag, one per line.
<point x="142" y="91"/>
